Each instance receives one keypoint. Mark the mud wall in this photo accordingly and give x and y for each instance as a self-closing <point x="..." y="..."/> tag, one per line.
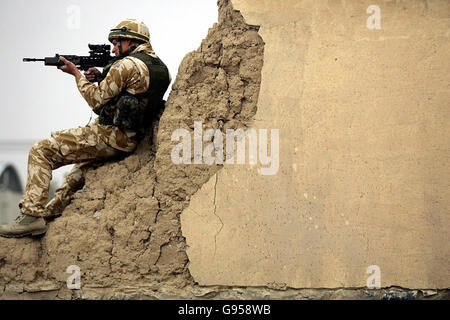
<point x="363" y="180"/>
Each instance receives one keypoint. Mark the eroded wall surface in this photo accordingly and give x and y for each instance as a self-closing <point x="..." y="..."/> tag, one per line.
<point x="363" y="179"/>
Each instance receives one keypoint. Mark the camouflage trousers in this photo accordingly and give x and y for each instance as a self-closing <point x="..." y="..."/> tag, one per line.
<point x="84" y="147"/>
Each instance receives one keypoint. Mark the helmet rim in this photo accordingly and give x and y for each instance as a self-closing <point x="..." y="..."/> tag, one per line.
<point x="123" y="31"/>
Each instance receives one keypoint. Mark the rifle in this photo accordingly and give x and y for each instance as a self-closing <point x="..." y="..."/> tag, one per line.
<point x="99" y="56"/>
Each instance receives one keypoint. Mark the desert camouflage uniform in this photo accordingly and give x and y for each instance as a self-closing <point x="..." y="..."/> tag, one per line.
<point x="83" y="146"/>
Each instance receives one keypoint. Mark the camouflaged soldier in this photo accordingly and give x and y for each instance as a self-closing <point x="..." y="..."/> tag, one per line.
<point x="129" y="89"/>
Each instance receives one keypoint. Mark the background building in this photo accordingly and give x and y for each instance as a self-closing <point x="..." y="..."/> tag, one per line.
<point x="10" y="192"/>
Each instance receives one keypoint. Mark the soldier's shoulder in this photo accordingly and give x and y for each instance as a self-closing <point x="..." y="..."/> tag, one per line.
<point x="124" y="63"/>
<point x="136" y="63"/>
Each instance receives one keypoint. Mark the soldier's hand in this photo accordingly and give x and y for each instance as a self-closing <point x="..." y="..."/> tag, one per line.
<point x="68" y="67"/>
<point x="91" y="74"/>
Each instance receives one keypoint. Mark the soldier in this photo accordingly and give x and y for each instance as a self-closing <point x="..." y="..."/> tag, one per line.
<point x="129" y="90"/>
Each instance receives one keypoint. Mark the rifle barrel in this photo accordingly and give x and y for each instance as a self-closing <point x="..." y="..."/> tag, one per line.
<point x="32" y="60"/>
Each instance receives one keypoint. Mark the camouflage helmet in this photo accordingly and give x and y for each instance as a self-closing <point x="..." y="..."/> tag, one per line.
<point x="130" y="29"/>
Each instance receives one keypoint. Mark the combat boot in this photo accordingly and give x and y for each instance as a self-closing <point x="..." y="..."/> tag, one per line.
<point x="24" y="225"/>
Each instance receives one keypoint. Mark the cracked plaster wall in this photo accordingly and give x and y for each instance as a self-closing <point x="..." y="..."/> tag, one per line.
<point x="363" y="179"/>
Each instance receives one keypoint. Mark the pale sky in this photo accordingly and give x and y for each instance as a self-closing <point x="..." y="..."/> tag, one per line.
<point x="36" y="99"/>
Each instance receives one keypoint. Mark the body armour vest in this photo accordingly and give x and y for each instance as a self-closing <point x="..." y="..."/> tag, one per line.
<point x="125" y="111"/>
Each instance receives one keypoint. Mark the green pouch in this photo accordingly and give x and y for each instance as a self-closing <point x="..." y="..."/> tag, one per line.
<point x="127" y="114"/>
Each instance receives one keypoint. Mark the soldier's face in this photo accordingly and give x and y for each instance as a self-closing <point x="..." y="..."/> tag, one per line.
<point x="126" y="44"/>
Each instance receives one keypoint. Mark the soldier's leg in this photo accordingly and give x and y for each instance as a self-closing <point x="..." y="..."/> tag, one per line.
<point x="63" y="148"/>
<point x="73" y="182"/>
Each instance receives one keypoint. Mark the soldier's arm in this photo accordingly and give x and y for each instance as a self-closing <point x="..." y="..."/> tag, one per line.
<point x="116" y="80"/>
